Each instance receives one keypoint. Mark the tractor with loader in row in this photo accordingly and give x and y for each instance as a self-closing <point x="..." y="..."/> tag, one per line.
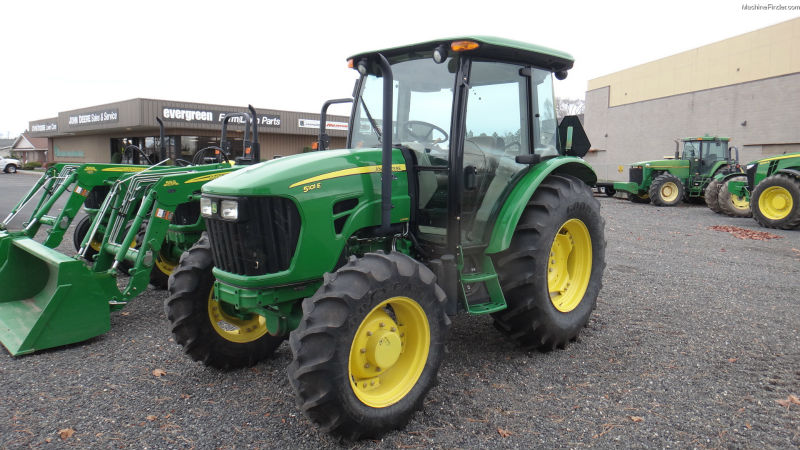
<point x="140" y="219"/>
<point x="458" y="192"/>
<point x="684" y="176"/>
<point x="769" y="191"/>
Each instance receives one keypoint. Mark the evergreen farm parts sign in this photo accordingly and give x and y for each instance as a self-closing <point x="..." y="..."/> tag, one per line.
<point x="174" y="114"/>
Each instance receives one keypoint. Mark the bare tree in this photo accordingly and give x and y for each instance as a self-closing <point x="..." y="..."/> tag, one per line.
<point x="569" y="107"/>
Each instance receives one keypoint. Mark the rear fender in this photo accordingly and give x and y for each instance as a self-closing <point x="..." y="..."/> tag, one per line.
<point x="515" y="203"/>
<point x="791" y="172"/>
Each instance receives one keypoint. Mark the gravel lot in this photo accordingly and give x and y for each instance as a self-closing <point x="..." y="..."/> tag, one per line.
<point x="695" y="343"/>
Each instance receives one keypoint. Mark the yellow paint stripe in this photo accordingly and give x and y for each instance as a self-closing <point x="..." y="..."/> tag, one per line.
<point x="125" y="169"/>
<point x="667" y="167"/>
<point x="209" y="177"/>
<point x="348" y="172"/>
<point x="775" y="158"/>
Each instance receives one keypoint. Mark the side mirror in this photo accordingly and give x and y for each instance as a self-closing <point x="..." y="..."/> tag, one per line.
<point x="572" y="137"/>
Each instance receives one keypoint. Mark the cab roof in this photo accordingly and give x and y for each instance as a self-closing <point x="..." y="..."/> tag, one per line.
<point x="706" y="138"/>
<point x="489" y="47"/>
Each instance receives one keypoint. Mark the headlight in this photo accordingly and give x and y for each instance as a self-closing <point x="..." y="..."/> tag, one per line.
<point x="206" y="207"/>
<point x="229" y="209"/>
<point x="750" y="166"/>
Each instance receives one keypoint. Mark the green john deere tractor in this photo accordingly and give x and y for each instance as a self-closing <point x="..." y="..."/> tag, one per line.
<point x="769" y="191"/>
<point x="458" y="192"/>
<point x="667" y="182"/>
<point x="147" y="218"/>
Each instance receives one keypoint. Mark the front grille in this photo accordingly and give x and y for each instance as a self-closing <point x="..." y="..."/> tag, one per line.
<point x="635" y="175"/>
<point x="262" y="242"/>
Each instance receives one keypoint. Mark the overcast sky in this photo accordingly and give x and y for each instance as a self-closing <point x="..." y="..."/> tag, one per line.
<point x="291" y="54"/>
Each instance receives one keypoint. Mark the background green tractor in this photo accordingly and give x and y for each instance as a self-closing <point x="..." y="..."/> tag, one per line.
<point x="769" y="191"/>
<point x="669" y="181"/>
<point x="458" y="192"/>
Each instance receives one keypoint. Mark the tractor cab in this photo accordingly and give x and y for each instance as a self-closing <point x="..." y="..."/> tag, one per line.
<point x="707" y="154"/>
<point x="471" y="115"/>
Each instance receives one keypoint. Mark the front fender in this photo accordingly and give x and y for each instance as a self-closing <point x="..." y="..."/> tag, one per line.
<point x="515" y="203"/>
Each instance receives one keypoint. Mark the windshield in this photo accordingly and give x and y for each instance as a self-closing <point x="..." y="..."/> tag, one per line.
<point x="714" y="151"/>
<point x="691" y="149"/>
<point x="423" y="103"/>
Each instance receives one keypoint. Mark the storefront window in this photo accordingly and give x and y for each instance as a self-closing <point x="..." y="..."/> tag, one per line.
<point x="150" y="146"/>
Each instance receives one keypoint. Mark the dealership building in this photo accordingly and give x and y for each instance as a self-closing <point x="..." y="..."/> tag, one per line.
<point x="97" y="133"/>
<point x="746" y="88"/>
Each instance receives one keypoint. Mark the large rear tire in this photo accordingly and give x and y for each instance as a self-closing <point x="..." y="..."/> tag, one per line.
<point x="776" y="202"/>
<point x="552" y="272"/>
<point x="711" y="195"/>
<point x="203" y="326"/>
<point x="666" y="190"/>
<point x="731" y="204"/>
<point x="369" y="346"/>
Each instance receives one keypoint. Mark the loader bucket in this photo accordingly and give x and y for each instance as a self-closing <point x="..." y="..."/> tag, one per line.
<point x="48" y="299"/>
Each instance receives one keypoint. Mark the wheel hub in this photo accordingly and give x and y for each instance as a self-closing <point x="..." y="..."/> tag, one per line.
<point x="384" y="348"/>
<point x="669" y="191"/>
<point x="165" y="265"/>
<point x="389" y="352"/>
<point x="233" y="328"/>
<point x="775" y="202"/>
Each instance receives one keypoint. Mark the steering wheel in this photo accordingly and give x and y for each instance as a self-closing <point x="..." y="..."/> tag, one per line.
<point x="196" y="159"/>
<point x="182" y="162"/>
<point x="427" y="137"/>
<point x="132" y="148"/>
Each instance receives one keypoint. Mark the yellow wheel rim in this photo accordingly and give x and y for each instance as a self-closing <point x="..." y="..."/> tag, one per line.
<point x="740" y="203"/>
<point x="669" y="191"/>
<point x="233" y="328"/>
<point x="389" y="352"/>
<point x="95" y="245"/>
<point x="775" y="203"/>
<point x="165" y="266"/>
<point x="570" y="265"/>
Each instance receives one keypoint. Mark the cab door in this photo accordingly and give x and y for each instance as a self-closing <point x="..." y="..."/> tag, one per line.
<point x="497" y="128"/>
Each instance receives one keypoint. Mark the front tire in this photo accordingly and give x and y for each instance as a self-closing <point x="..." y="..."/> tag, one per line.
<point x="203" y="326"/>
<point x="711" y="195"/>
<point x="666" y="190"/>
<point x="81" y="229"/>
<point x="369" y="346"/>
<point x="552" y="272"/>
<point x="733" y="205"/>
<point x="163" y="267"/>
<point x="776" y="202"/>
<point x="11" y="168"/>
